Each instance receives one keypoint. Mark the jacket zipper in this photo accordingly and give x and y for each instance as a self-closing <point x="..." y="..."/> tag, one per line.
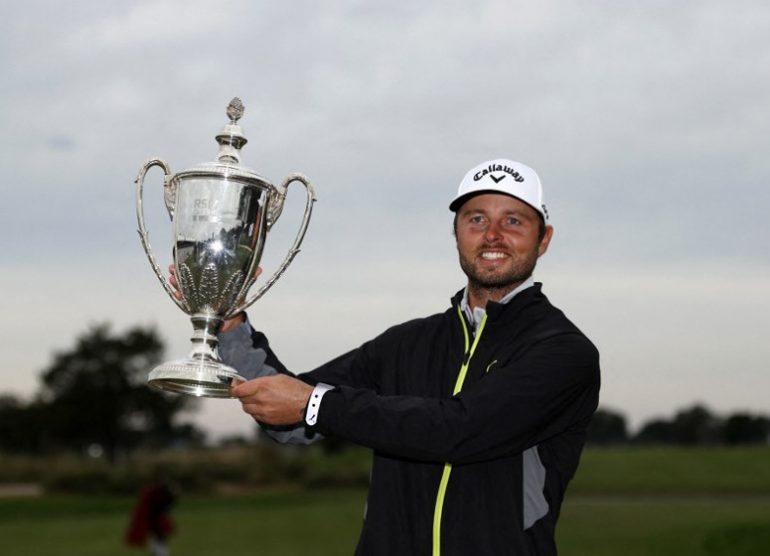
<point x="469" y="350"/>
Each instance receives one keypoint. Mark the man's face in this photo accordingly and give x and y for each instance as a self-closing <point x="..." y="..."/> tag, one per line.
<point x="498" y="241"/>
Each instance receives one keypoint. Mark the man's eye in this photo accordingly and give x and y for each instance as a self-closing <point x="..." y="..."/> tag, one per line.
<point x="513" y="221"/>
<point x="477" y="219"/>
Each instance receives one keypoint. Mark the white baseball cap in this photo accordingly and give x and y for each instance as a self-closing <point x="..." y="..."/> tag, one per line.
<point x="502" y="176"/>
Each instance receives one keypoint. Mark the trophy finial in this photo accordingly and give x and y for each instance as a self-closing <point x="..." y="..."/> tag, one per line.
<point x="235" y="110"/>
<point x="231" y="138"/>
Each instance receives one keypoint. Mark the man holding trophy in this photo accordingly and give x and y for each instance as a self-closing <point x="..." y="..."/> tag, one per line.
<point x="477" y="416"/>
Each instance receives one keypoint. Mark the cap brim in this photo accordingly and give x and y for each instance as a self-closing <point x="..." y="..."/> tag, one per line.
<point x="459" y="201"/>
<point x="455" y="205"/>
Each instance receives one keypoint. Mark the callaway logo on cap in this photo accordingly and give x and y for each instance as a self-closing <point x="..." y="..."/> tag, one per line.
<point x="502" y="176"/>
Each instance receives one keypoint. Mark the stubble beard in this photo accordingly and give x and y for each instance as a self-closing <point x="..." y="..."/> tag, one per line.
<point x="494" y="285"/>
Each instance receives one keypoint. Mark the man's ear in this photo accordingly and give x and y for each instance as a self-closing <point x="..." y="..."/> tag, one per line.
<point x="545" y="242"/>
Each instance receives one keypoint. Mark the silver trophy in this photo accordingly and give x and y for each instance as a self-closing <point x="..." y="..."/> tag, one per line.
<point x="221" y="213"/>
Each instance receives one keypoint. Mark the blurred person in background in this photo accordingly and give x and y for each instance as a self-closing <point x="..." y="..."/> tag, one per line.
<point x="151" y="520"/>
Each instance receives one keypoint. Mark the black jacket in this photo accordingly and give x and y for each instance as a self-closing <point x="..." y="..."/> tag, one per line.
<point x="481" y="472"/>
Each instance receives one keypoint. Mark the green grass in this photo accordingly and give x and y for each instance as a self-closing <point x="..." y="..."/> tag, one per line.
<point x="674" y="470"/>
<point x="322" y="523"/>
<point x="662" y="527"/>
<point x="625" y="502"/>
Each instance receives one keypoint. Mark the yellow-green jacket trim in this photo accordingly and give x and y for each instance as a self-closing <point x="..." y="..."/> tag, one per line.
<point x="448" y="466"/>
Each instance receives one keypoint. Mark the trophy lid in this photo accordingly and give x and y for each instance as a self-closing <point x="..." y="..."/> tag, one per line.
<point x="228" y="162"/>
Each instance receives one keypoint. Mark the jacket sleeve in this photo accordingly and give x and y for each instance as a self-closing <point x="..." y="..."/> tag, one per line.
<point x="550" y="389"/>
<point x="248" y="351"/>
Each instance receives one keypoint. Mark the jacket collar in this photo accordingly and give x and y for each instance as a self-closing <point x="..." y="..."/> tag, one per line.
<point x="528" y="290"/>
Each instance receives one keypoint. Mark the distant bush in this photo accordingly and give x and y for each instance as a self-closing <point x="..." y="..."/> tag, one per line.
<point x="693" y="426"/>
<point x="202" y="470"/>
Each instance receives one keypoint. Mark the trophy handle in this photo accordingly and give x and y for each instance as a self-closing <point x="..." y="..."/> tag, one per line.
<point x="169" y="197"/>
<point x="275" y="207"/>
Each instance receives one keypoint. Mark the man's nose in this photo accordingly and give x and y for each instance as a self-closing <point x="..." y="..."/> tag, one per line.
<point x="492" y="233"/>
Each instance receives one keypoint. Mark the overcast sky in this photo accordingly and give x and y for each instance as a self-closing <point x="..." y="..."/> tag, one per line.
<point x="648" y="122"/>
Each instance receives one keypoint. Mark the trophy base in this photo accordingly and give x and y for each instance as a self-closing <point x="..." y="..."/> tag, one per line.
<point x="195" y="377"/>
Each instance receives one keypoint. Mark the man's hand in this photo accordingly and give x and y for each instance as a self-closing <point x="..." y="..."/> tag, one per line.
<point x="275" y="400"/>
<point x="228" y="324"/>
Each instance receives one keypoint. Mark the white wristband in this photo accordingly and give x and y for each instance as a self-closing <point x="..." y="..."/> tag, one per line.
<point x="314" y="404"/>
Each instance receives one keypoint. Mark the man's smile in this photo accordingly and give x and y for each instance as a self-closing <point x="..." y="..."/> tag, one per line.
<point x="493" y="255"/>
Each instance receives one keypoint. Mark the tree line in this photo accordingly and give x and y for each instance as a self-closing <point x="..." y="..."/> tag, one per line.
<point x="693" y="426"/>
<point x="94" y="399"/>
